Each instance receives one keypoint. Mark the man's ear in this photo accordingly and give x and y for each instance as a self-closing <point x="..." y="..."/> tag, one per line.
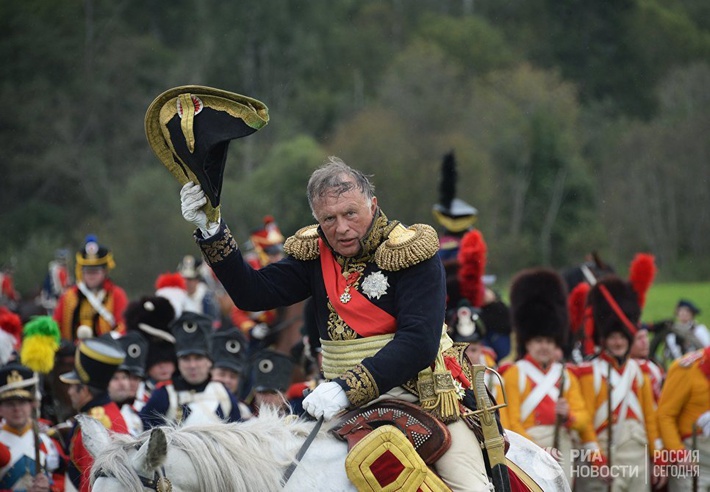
<point x="373" y="207"/>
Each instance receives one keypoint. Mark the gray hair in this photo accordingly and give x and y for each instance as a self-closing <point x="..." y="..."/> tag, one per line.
<point x="336" y="177"/>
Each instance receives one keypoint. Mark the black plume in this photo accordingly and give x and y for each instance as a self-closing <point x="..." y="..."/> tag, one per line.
<point x="447" y="185"/>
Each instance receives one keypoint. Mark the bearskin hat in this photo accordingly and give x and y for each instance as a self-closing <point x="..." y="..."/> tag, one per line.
<point x="607" y="314"/>
<point x="538" y="306"/>
<point x="151" y="316"/>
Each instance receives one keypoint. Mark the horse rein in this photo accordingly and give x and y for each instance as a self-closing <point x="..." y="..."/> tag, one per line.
<point x="301" y="452"/>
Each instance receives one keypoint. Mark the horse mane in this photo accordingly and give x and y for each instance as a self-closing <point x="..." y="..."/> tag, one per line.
<point x="247" y="455"/>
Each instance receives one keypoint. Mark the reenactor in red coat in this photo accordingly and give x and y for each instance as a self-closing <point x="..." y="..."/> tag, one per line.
<point x="96" y="361"/>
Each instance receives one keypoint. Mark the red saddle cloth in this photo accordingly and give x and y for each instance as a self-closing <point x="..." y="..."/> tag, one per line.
<point x="428" y="436"/>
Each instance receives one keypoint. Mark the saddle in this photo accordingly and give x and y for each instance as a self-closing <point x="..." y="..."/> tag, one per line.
<point x="429" y="436"/>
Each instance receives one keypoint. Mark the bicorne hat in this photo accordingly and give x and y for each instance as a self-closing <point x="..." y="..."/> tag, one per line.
<point x="189" y="128"/>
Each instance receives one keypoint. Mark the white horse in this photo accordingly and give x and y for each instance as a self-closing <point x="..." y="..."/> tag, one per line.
<point x="249" y="456"/>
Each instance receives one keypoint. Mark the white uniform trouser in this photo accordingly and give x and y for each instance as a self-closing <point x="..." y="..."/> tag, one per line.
<point x="544" y="435"/>
<point x="685" y="484"/>
<point x="462" y="467"/>
<point x="630" y="466"/>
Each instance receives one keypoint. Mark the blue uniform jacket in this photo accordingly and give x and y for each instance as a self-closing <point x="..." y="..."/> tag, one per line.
<point x="416" y="298"/>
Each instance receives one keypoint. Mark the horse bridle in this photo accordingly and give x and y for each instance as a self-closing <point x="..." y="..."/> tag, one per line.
<point x="159" y="482"/>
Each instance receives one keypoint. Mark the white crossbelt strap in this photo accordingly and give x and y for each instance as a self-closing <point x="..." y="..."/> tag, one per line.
<point x="203" y="404"/>
<point x="97" y="303"/>
<point x="544" y="385"/>
<point x="171" y="414"/>
<point x="622" y="395"/>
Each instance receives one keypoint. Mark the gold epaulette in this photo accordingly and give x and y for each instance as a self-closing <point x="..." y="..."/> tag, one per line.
<point x="304" y="244"/>
<point x="407" y="246"/>
<point x="99" y="413"/>
<point x="688" y="359"/>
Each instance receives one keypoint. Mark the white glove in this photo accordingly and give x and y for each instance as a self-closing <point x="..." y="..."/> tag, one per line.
<point x="326" y="401"/>
<point x="704" y="423"/>
<point x="192" y="199"/>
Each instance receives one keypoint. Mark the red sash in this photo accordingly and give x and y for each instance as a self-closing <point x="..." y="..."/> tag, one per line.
<point x="359" y="313"/>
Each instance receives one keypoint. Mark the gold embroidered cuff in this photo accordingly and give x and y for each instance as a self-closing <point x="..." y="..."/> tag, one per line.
<point x="219" y="247"/>
<point x="361" y="384"/>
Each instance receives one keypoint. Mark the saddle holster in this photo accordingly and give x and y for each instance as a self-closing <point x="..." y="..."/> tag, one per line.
<point x="429" y="436"/>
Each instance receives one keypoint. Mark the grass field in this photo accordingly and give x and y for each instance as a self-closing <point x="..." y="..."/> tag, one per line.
<point x="663" y="297"/>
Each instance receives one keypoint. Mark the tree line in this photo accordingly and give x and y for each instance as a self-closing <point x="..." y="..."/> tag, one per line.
<point x="577" y="126"/>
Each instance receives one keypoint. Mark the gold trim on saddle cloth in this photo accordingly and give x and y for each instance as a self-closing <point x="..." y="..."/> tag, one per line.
<point x="385" y="460"/>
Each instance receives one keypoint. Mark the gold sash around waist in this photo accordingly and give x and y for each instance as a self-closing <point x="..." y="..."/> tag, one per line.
<point x="340" y="356"/>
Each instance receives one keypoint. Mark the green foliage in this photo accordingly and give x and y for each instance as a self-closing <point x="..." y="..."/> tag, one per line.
<point x="472" y="42"/>
<point x="30" y="259"/>
<point x="577" y="125"/>
<point x="146" y="232"/>
<point x="277" y="188"/>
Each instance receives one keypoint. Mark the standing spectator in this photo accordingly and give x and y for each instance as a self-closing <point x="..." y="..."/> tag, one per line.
<point x="229" y="362"/>
<point x="9" y="297"/>
<point x="684" y="418"/>
<point x="151" y="316"/>
<point x="544" y="397"/>
<point x="95" y="301"/>
<point x="128" y="378"/>
<point x="615" y="380"/>
<point x="199" y="298"/>
<point x="191" y="395"/>
<point x="685" y="314"/>
<point x="640" y="350"/>
<point x="21" y="471"/>
<point x="96" y="361"/>
<point x="56" y="282"/>
<point x="271" y="375"/>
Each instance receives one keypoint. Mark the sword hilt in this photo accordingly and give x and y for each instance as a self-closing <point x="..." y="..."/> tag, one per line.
<point x="494" y="442"/>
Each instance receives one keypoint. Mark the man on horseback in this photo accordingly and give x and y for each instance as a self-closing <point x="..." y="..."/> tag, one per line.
<point x="379" y="294"/>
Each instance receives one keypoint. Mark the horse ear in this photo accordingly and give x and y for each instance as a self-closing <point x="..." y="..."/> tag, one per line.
<point x="153" y="452"/>
<point x="94" y="434"/>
